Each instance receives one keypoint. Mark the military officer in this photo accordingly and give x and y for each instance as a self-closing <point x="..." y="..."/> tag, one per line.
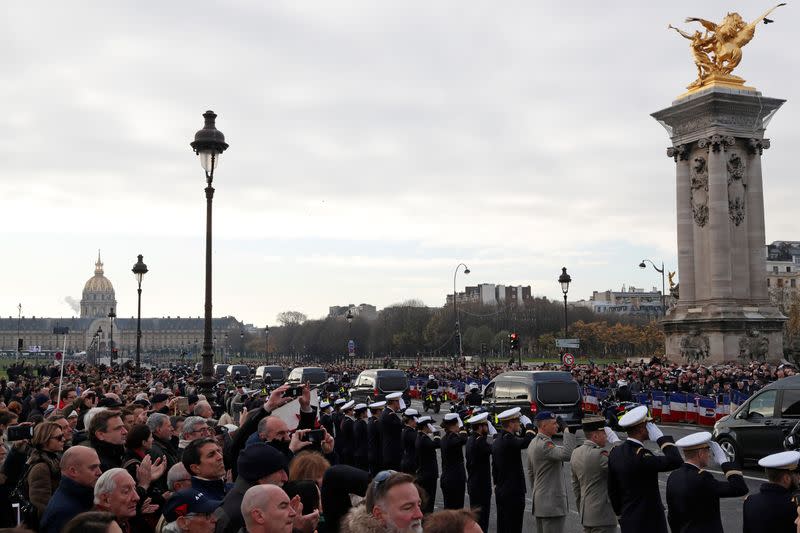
<point x="427" y="465"/>
<point x="346" y="434"/>
<point x="325" y="418"/>
<point x="454" y="478"/>
<point x="509" y="478"/>
<point x="360" y="439"/>
<point x="633" y="474"/>
<point x="692" y="492"/>
<point x="772" y="508"/>
<point x="590" y="477"/>
<point x="478" y="453"/>
<point x="545" y="461"/>
<point x="391" y="430"/>
<point x="337" y="417"/>
<point x="374" y="437"/>
<point x="408" y="463"/>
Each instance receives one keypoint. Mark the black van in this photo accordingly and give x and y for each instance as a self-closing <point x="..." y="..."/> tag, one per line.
<point x="758" y="427"/>
<point x="276" y="373"/>
<point x="535" y="391"/>
<point x="313" y="374"/>
<point x="374" y="385"/>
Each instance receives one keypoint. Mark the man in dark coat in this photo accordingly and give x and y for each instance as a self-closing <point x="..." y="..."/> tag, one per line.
<point x="454" y="477"/>
<point x="509" y="478"/>
<point x="391" y="430"/>
<point x="408" y="463"/>
<point x="478" y="454"/>
<point x="345" y="438"/>
<point x="772" y="509"/>
<point x="374" y="437"/>
<point x="633" y="474"/>
<point x="80" y="468"/>
<point x="325" y="418"/>
<point x="107" y="435"/>
<point x="360" y="438"/>
<point x="692" y="492"/>
<point x="427" y="465"/>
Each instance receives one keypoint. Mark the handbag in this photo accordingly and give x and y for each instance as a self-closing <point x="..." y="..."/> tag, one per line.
<point x="28" y="513"/>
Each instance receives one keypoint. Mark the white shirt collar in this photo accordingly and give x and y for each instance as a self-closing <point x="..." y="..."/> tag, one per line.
<point x="636" y="441"/>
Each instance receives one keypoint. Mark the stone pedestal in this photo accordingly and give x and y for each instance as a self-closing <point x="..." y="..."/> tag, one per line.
<point x="723" y="311"/>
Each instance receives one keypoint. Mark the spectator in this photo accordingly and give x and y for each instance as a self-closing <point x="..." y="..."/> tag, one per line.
<point x="163" y="446"/>
<point x="308" y="465"/>
<point x="267" y="509"/>
<point x="178" y="478"/>
<point x="393" y="503"/>
<point x="80" y="468"/>
<point x="62" y="421"/>
<point x="307" y="493"/>
<point x="203" y="409"/>
<point x="274" y="431"/>
<point x="93" y="522"/>
<point x="194" y="427"/>
<point x="115" y="493"/>
<point x="191" y="511"/>
<point x="339" y="483"/>
<point x="43" y="475"/>
<point x="138" y="444"/>
<point x="203" y="460"/>
<point x="452" y="521"/>
<point x="107" y="436"/>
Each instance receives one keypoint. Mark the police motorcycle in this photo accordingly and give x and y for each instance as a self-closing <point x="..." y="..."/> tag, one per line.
<point x="463" y="409"/>
<point x="613" y="410"/>
<point x="432" y="400"/>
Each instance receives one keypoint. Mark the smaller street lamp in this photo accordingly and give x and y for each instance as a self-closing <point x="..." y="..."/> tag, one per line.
<point x="349" y="317"/>
<point x="266" y="332"/>
<point x="139" y="270"/>
<point x="660" y="271"/>
<point x="564" y="279"/>
<point x="111" y="316"/>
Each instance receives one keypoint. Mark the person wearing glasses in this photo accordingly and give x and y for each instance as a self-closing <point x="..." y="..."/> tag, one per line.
<point x="392" y="504"/>
<point x="44" y="472"/>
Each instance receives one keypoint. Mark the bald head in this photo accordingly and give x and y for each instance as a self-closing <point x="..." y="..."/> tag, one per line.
<point x="81" y="464"/>
<point x="267" y="509"/>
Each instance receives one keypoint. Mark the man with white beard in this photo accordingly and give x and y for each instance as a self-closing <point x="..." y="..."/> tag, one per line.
<point x="392" y="505"/>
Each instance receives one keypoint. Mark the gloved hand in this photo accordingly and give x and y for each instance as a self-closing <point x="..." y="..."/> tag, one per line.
<point x="719" y="454"/>
<point x="610" y="435"/>
<point x="525" y="421"/>
<point x="653" y="433"/>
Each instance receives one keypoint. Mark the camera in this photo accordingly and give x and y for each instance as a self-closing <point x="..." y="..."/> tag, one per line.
<point x="20" y="432"/>
<point x="294" y="391"/>
<point x="315" y="436"/>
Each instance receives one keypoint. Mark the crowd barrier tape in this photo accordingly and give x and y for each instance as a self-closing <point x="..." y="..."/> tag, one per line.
<point x="673" y="407"/>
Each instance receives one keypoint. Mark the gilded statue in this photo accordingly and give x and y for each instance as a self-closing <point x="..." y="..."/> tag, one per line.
<point x="671" y="276"/>
<point x="717" y="51"/>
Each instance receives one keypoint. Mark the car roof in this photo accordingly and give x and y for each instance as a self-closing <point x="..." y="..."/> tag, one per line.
<point x="790" y="382"/>
<point x="383" y="371"/>
<point x="536" y="375"/>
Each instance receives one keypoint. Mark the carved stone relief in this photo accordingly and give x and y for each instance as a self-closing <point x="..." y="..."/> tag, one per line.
<point x="737" y="188"/>
<point x="699" y="190"/>
<point x="694" y="346"/>
<point x="753" y="346"/>
<point x="716" y="143"/>
<point x="757" y="146"/>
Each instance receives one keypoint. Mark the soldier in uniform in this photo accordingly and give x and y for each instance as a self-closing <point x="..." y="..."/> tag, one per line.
<point x="633" y="474"/>
<point x="454" y="477"/>
<point x="336" y="417"/>
<point x="545" y="461"/>
<point x="427" y="465"/>
<point x="590" y="477"/>
<point x="478" y="453"/>
<point x="772" y="509"/>
<point x="374" y="437"/>
<point x="346" y="434"/>
<point x="391" y="430"/>
<point x="408" y="463"/>
<point x="360" y="439"/>
<point x="692" y="492"/>
<point x="509" y="478"/>
<point x="325" y="418"/>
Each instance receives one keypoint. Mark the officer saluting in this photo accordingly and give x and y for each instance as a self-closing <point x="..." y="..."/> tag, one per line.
<point x="391" y="430"/>
<point x="427" y="465"/>
<point x="633" y="474"/>
<point x="545" y="460"/>
<point x="360" y="440"/>
<point x="479" y="474"/>
<point x="325" y="418"/>
<point x="509" y="478"/>
<point x="772" y="508"/>
<point x="408" y="463"/>
<point x="454" y="477"/>
<point x="374" y="437"/>
<point x="692" y="492"/>
<point x="346" y="434"/>
<point x="590" y="477"/>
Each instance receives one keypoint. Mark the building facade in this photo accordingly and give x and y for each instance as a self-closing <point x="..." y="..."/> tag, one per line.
<point x="492" y="294"/>
<point x="627" y="301"/>
<point x="783" y="273"/>
<point x="365" y="311"/>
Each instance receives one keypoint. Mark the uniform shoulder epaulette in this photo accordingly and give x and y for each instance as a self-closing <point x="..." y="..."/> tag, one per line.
<point x="643" y="450"/>
<point x="733" y="473"/>
<point x="701" y="471"/>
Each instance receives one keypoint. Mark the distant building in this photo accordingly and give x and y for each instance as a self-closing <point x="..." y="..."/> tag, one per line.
<point x="783" y="273"/>
<point x="628" y="301"/>
<point x="491" y="294"/>
<point x="365" y="311"/>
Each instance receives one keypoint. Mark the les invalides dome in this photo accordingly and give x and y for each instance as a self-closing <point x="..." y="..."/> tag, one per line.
<point x="98" y="294"/>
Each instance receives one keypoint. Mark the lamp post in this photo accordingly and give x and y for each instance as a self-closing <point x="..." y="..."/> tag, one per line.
<point x="349" y="317"/>
<point x="209" y="143"/>
<point x="241" y="344"/>
<point x="111" y="316"/>
<point x="19" y="321"/>
<point x="225" y="348"/>
<point x="99" y="334"/>
<point x="660" y="271"/>
<point x="564" y="279"/>
<point x="455" y="308"/>
<point x="266" y="332"/>
<point x="139" y="270"/>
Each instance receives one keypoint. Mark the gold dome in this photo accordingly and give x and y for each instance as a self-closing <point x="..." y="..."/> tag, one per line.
<point x="98" y="282"/>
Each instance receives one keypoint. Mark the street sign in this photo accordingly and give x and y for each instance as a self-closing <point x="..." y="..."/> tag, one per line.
<point x="568" y="343"/>
<point x="34" y="349"/>
<point x="568" y="359"/>
<point x="351" y="347"/>
<point x="58" y="356"/>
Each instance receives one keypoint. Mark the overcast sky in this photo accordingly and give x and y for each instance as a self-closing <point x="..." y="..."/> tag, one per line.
<point x="373" y="147"/>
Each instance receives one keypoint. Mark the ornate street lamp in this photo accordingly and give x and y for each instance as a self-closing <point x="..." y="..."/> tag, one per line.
<point x="111" y="316"/>
<point x="139" y="270"/>
<point x="564" y="279"/>
<point x="660" y="271"/>
<point x="209" y="143"/>
<point x="455" y="308"/>
<point x="266" y="332"/>
<point x="349" y="317"/>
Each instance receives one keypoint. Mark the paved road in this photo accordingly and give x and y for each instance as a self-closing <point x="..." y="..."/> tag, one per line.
<point x="731" y="508"/>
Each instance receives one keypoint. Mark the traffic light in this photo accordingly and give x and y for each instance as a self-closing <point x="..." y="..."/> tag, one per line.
<point x="514" y="341"/>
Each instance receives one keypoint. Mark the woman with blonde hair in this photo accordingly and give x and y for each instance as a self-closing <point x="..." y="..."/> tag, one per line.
<point x="308" y="465"/>
<point x="44" y="474"/>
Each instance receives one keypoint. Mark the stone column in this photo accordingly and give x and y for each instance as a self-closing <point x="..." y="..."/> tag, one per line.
<point x="718" y="219"/>
<point x="681" y="155"/>
<point x="756" y="236"/>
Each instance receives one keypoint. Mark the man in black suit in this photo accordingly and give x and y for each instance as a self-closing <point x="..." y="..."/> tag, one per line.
<point x="391" y="430"/>
<point x="374" y="452"/>
<point x="633" y="474"/>
<point x="509" y="478"/>
<point x="479" y="476"/>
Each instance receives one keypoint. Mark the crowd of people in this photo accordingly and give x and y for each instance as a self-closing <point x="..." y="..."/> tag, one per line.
<point x="109" y="450"/>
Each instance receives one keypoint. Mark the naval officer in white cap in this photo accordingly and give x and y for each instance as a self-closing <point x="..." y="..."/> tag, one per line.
<point x="478" y="453"/>
<point x="693" y="493"/>
<point x="633" y="474"/>
<point x="509" y="478"/>
<point x="391" y="431"/>
<point x="772" y="509"/>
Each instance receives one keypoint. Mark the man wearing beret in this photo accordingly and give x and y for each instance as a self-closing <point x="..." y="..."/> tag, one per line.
<point x="545" y="461"/>
<point x="590" y="477"/>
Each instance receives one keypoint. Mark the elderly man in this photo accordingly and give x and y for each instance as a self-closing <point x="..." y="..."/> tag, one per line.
<point x="203" y="460"/>
<point x="258" y="464"/>
<point x="80" y="468"/>
<point x="274" y="431"/>
<point x="392" y="504"/>
<point x="590" y="477"/>
<point x="267" y="509"/>
<point x="191" y="511"/>
<point x="161" y="429"/>
<point x="194" y="427"/>
<point x="203" y="409"/>
<point x="115" y="493"/>
<point x="107" y="436"/>
<point x="545" y="461"/>
<point x="178" y="478"/>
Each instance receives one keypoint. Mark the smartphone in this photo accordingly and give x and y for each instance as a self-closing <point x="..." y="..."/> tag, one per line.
<point x="315" y="436"/>
<point x="20" y="432"/>
<point x="182" y="405"/>
<point x="293" y="392"/>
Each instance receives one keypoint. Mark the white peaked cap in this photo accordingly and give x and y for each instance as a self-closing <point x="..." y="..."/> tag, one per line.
<point x="348" y="405"/>
<point x="781" y="461"/>
<point x="637" y="415"/>
<point x="410" y="412"/>
<point x="360" y="407"/>
<point x="694" y="441"/>
<point x="508" y="414"/>
<point x="424" y="419"/>
<point x="339" y="401"/>
<point x="377" y="405"/>
<point x="482" y="418"/>
<point x="453" y="417"/>
<point x="394" y="396"/>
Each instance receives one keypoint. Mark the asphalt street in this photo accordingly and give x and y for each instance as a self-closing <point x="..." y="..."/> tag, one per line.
<point x="731" y="508"/>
